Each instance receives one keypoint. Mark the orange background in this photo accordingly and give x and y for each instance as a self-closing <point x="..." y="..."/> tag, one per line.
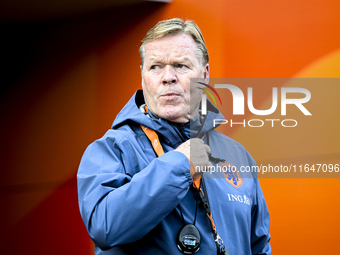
<point x="67" y="76"/>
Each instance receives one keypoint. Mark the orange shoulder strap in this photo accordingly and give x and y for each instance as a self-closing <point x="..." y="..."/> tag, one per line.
<point x="153" y="137"/>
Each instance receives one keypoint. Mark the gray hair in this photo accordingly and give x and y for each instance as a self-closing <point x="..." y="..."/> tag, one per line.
<point x="172" y="27"/>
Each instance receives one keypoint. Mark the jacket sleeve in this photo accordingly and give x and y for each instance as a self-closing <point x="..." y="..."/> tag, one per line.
<point x="118" y="207"/>
<point x="260" y="236"/>
<point x="260" y="219"/>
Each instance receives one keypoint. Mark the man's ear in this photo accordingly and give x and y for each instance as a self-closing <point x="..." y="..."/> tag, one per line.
<point x="206" y="73"/>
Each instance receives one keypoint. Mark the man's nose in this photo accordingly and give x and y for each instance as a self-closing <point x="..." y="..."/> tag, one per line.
<point x="169" y="75"/>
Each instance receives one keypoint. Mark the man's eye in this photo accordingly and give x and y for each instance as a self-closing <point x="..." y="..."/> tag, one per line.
<point x="154" y="67"/>
<point x="181" y="66"/>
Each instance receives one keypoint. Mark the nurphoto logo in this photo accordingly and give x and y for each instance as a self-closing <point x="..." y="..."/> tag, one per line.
<point x="238" y="107"/>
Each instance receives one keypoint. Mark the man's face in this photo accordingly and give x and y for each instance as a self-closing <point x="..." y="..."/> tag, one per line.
<point x="169" y="63"/>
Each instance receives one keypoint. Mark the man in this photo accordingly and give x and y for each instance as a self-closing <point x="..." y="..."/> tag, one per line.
<point x="136" y="185"/>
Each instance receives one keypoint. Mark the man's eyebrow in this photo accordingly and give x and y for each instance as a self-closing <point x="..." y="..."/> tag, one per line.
<point x="180" y="60"/>
<point x="183" y="60"/>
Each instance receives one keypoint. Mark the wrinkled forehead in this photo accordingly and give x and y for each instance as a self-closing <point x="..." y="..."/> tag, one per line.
<point x="181" y="44"/>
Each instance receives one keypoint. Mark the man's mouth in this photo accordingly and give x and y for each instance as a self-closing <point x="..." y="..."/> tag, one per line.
<point x="170" y="95"/>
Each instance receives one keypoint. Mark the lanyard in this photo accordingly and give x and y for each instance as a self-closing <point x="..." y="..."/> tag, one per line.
<point x="197" y="183"/>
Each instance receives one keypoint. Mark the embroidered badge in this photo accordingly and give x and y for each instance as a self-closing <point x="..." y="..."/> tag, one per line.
<point x="231" y="174"/>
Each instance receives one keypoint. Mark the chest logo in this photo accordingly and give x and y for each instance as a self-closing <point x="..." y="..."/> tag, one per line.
<point x="231" y="174"/>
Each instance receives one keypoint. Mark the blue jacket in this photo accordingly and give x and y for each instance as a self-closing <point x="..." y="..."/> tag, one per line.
<point x="129" y="197"/>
